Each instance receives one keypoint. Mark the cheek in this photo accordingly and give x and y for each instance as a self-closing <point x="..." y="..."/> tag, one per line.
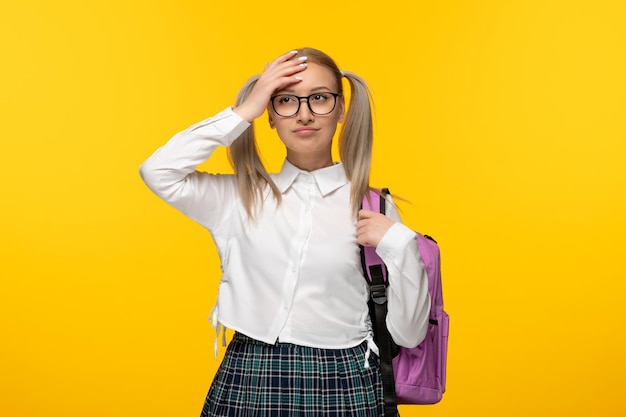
<point x="281" y="128"/>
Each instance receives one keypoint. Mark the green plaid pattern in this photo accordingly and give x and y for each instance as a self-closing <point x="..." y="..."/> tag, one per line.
<point x="285" y="380"/>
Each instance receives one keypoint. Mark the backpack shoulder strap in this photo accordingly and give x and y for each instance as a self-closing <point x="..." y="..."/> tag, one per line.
<point x="374" y="269"/>
<point x="375" y="273"/>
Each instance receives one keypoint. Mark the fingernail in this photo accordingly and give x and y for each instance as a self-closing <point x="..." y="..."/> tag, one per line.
<point x="293" y="52"/>
<point x="303" y="58"/>
<point x="303" y="65"/>
<point x="298" y="78"/>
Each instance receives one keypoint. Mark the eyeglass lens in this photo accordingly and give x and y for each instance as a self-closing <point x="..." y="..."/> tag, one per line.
<point x="319" y="103"/>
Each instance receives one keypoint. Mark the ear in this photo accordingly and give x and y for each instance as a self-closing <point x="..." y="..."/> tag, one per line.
<point x="270" y="119"/>
<point x="342" y="111"/>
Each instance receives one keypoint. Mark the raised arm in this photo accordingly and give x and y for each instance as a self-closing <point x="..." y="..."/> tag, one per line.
<point x="171" y="171"/>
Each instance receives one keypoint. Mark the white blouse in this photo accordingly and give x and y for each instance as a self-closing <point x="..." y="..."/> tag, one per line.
<point x="293" y="274"/>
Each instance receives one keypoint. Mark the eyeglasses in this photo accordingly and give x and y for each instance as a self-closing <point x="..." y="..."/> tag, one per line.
<point x="288" y="105"/>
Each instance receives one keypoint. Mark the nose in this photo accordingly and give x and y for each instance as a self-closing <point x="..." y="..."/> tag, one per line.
<point x="304" y="113"/>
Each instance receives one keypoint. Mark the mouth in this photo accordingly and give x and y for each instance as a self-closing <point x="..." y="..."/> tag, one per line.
<point x="305" y="131"/>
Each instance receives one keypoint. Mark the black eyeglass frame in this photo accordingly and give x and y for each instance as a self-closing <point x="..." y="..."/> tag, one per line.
<point x="308" y="103"/>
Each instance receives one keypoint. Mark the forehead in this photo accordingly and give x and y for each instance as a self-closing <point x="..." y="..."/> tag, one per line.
<point x="315" y="77"/>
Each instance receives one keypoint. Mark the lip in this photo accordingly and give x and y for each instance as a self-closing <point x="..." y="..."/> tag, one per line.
<point x="305" y="131"/>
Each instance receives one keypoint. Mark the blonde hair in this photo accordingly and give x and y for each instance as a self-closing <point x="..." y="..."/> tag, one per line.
<point x="244" y="157"/>
<point x="355" y="141"/>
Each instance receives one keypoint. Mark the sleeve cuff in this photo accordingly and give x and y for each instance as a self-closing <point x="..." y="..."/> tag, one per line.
<point x="395" y="241"/>
<point x="225" y="127"/>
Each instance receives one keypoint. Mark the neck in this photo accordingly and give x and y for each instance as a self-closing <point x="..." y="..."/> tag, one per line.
<point x="309" y="163"/>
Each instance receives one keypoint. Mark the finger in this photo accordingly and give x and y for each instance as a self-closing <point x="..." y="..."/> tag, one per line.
<point x="287" y="60"/>
<point x="279" y="76"/>
<point x="363" y="222"/>
<point x="289" y="72"/>
<point x="363" y="241"/>
<point x="287" y="56"/>
<point x="366" y="214"/>
<point x="282" y="59"/>
<point x="289" y="68"/>
<point x="363" y="238"/>
<point x="284" y="80"/>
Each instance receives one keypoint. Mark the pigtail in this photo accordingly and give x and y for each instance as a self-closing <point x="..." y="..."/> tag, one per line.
<point x="356" y="139"/>
<point x="252" y="177"/>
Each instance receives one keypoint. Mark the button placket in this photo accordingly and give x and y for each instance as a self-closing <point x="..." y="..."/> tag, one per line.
<point x="303" y="189"/>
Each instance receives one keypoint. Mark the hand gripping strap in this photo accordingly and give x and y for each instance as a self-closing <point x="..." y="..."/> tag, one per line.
<point x="373" y="267"/>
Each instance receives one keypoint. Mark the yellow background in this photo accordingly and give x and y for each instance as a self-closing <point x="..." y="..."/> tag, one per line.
<point x="501" y="121"/>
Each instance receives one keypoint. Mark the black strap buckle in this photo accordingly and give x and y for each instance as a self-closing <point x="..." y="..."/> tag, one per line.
<point x="378" y="293"/>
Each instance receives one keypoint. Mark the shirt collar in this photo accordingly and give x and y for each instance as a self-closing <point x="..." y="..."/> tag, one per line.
<point x="328" y="179"/>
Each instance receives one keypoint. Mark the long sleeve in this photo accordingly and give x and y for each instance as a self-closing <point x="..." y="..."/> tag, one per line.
<point x="170" y="172"/>
<point x="408" y="298"/>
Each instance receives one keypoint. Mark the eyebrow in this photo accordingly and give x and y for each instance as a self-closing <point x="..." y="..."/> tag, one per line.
<point x="290" y="90"/>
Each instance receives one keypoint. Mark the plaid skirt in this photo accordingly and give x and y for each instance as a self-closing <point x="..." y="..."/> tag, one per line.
<point x="256" y="379"/>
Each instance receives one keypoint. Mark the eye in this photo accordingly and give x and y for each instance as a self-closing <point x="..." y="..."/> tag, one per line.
<point x="320" y="97"/>
<point x="285" y="99"/>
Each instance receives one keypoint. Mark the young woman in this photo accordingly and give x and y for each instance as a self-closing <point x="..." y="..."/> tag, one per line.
<point x="292" y="287"/>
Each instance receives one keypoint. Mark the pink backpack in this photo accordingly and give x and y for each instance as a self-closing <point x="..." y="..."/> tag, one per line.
<point x="416" y="375"/>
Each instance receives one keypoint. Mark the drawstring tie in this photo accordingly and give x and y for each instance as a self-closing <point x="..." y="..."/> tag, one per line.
<point x="214" y="319"/>
<point x="371" y="347"/>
